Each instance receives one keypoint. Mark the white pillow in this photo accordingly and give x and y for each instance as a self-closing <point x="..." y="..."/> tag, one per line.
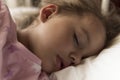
<point x="105" y="66"/>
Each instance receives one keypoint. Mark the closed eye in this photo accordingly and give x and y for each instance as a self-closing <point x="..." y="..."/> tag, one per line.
<point x="76" y="42"/>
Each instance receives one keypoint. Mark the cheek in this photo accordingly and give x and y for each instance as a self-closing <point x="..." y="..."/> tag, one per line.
<point x="56" y="37"/>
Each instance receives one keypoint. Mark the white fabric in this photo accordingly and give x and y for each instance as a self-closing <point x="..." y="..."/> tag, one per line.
<point x="105" y="66"/>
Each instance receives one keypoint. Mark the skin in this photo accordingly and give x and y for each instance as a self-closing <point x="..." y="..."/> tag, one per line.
<point x="62" y="40"/>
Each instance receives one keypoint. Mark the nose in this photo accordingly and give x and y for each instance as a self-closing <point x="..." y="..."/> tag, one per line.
<point x="75" y="59"/>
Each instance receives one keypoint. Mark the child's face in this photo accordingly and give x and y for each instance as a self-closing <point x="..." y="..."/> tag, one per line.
<point x="64" y="40"/>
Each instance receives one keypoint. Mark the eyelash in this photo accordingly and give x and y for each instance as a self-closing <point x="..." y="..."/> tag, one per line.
<point x="75" y="40"/>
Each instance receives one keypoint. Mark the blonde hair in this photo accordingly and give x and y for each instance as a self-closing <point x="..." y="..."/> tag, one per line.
<point x="74" y="6"/>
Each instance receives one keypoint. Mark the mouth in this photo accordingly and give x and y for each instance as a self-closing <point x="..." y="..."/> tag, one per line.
<point x="60" y="63"/>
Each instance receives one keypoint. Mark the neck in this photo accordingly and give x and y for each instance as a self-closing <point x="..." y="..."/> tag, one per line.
<point x="23" y="37"/>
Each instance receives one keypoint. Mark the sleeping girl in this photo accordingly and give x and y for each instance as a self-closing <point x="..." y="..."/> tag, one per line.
<point x="63" y="33"/>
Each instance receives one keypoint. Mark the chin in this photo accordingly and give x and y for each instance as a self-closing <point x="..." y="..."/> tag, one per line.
<point x="48" y="68"/>
<point x="48" y="71"/>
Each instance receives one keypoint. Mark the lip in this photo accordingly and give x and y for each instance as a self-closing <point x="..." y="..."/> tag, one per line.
<point x="59" y="63"/>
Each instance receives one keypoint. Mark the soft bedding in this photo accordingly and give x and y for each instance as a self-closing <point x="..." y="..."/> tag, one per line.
<point x="105" y="66"/>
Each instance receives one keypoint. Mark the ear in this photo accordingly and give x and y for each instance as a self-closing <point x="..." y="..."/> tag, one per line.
<point x="48" y="11"/>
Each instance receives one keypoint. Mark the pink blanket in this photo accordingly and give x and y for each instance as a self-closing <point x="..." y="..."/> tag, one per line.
<point x="16" y="61"/>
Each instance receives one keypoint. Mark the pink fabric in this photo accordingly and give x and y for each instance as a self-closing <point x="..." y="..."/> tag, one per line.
<point x="16" y="61"/>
